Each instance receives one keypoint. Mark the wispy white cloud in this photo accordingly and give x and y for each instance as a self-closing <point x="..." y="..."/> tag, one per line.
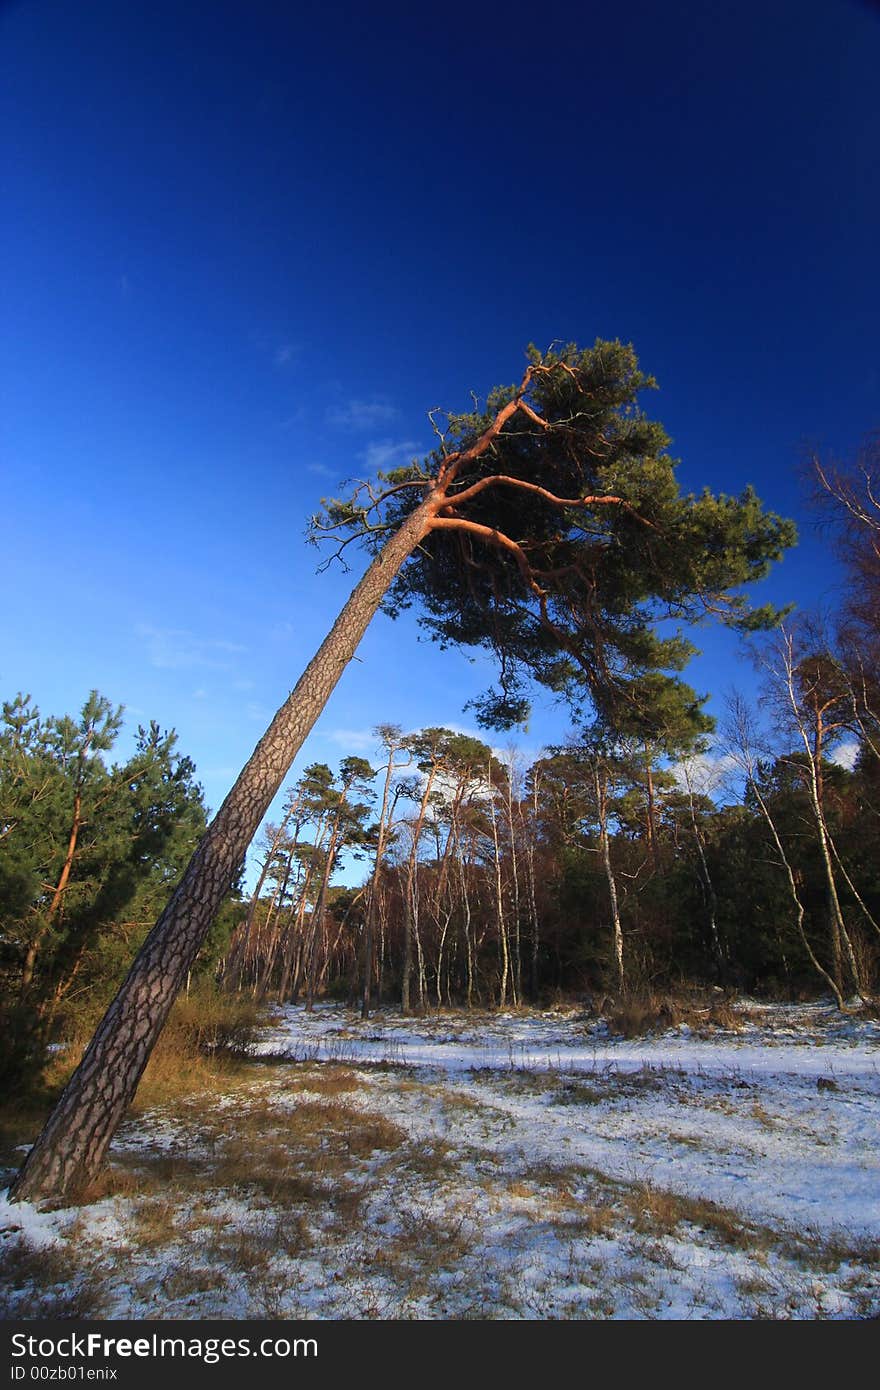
<point x="362" y="415"/>
<point x="174" y="649"/>
<point x="845" y="755"/>
<point x="321" y="469"/>
<point x="706" y="771"/>
<point x="386" y="453"/>
<point x="353" y="740"/>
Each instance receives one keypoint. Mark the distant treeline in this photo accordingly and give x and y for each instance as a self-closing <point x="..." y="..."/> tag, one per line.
<point x="609" y="865"/>
<point x="652" y="851"/>
<point x="606" y="866"/>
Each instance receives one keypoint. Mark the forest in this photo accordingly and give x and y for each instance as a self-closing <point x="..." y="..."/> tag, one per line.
<point x="464" y="939"/>
<point x="609" y="866"/>
<point x="440" y="664"/>
<point x="657" y="850"/>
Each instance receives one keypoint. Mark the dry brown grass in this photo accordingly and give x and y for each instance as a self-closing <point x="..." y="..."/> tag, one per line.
<point x="188" y="1279"/>
<point x="605" y="1086"/>
<point x="656" y="1211"/>
<point x="420" y="1248"/>
<point x="116" y="1180"/>
<point x="207" y="1036"/>
<point x="156" y="1223"/>
<point x="46" y="1282"/>
<point x="434" y="1159"/>
<point x="280" y="1157"/>
<point x="327" y="1080"/>
<point x="636" y="1014"/>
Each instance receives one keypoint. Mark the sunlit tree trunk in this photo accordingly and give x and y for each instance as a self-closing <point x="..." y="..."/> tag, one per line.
<point x="412" y="908"/>
<point x="499" y="899"/>
<point x="531" y="837"/>
<point x="841" y="945"/>
<point x="392" y="742"/>
<point x="514" y="876"/>
<point x="74" y="1141"/>
<point x="742" y="748"/>
<point x="316" y="925"/>
<point x="466" y="915"/>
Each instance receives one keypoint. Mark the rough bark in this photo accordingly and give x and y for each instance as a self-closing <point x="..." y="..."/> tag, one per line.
<point x="72" y="1146"/>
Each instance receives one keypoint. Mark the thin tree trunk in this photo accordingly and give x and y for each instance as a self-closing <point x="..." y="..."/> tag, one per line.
<point x="74" y="1141"/>
<point x="651" y="808"/>
<point x="742" y="749"/>
<point x="499" y="900"/>
<point x="300" y="928"/>
<point x="600" y="787"/>
<point x="316" y="925"/>
<point x="531" y="836"/>
<point x="514" y="872"/>
<point x="373" y="903"/>
<point x="711" y="897"/>
<point x="406" y="969"/>
<point x="466" y="923"/>
<point x="267" y="865"/>
<point x="798" y="905"/>
<point x="30" y="960"/>
<point x="411" y="915"/>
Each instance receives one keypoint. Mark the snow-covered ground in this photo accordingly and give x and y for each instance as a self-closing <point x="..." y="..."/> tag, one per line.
<point x="500" y="1165"/>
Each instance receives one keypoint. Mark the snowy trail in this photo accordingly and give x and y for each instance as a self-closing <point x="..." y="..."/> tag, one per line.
<point x="319" y="1037"/>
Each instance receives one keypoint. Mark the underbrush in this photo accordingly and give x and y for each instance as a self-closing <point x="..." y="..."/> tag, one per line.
<point x="633" y="1015"/>
<point x="204" y="1044"/>
<point x="207" y="1037"/>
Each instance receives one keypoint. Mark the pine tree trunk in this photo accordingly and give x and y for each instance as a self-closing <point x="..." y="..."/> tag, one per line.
<point x="316" y="924"/>
<point x="406" y="973"/>
<point x="373" y="903"/>
<point x="466" y="915"/>
<point x="651" y="808"/>
<point x="514" y="878"/>
<point x="72" y="1146"/>
<point x="499" y="900"/>
<point x="411" y="915"/>
<point x="33" y="950"/>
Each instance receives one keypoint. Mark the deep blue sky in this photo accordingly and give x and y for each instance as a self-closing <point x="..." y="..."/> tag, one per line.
<point x="245" y="247"/>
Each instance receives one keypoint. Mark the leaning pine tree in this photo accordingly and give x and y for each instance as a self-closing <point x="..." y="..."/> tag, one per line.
<point x="547" y="527"/>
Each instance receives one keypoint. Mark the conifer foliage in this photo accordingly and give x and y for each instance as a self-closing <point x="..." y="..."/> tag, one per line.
<point x="546" y="526"/>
